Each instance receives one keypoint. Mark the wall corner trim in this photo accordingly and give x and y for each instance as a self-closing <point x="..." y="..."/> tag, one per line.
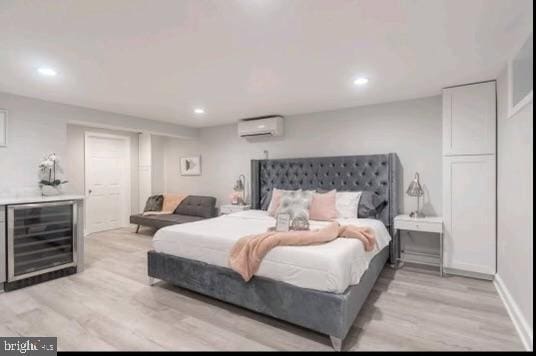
<point x="520" y="323"/>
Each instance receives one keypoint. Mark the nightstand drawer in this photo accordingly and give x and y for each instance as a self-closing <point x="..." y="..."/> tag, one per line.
<point x="424" y="226"/>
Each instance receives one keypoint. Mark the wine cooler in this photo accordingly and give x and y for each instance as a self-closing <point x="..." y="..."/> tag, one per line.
<point x="41" y="240"/>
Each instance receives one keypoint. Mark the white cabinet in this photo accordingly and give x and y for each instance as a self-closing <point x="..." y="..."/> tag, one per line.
<point x="469" y="213"/>
<point x="469" y="119"/>
<point x="469" y="179"/>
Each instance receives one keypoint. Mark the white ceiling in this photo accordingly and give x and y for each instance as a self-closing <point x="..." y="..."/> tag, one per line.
<point x="160" y="59"/>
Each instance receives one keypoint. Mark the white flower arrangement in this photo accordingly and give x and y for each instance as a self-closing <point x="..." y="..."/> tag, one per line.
<point x="48" y="167"/>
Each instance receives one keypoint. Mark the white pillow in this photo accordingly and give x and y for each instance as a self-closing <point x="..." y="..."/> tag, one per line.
<point x="347" y="204"/>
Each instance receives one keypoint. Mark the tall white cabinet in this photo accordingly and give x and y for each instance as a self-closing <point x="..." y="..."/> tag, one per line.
<point x="469" y="179"/>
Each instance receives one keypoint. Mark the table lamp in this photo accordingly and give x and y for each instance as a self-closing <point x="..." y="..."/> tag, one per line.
<point x="239" y="189"/>
<point x="415" y="190"/>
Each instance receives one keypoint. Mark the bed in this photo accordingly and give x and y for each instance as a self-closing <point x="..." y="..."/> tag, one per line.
<point x="319" y="287"/>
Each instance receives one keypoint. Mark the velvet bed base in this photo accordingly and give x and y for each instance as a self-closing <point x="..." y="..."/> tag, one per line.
<point x="327" y="313"/>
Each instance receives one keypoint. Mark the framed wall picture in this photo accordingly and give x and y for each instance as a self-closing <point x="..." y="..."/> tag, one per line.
<point x="190" y="166"/>
<point x="3" y="128"/>
<point x="520" y="77"/>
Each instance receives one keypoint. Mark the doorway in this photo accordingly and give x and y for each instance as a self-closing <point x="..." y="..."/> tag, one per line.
<point x="107" y="182"/>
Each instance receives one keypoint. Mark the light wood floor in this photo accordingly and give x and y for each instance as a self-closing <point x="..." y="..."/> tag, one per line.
<point x="110" y="307"/>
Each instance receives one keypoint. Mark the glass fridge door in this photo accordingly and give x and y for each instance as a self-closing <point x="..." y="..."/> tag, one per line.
<point x="41" y="238"/>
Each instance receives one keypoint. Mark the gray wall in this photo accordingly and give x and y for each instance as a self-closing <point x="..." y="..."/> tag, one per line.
<point x="37" y="128"/>
<point x="75" y="159"/>
<point x="411" y="128"/>
<point x="515" y="202"/>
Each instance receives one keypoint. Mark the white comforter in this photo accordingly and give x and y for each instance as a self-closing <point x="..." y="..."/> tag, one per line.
<point x="330" y="267"/>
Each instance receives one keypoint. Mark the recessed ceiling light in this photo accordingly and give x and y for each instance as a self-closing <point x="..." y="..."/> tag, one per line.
<point x="199" y="111"/>
<point x="47" y="71"/>
<point x="361" y="81"/>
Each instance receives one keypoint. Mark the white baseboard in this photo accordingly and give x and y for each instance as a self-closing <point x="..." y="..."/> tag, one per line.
<point x="521" y="325"/>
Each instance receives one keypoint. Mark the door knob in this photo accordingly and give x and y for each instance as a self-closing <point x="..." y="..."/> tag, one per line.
<point x="90" y="191"/>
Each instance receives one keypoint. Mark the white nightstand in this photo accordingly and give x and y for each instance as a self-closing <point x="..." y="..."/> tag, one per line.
<point x="433" y="224"/>
<point x="230" y="208"/>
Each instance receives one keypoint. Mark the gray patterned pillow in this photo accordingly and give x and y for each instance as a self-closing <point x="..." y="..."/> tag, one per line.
<point x="154" y="203"/>
<point x="370" y="205"/>
<point x="296" y="203"/>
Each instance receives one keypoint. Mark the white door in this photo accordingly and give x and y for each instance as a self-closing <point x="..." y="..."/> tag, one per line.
<point x="107" y="163"/>
<point x="469" y="213"/>
<point x="469" y="119"/>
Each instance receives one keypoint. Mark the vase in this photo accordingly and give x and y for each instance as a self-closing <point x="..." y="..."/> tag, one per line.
<point x="50" y="190"/>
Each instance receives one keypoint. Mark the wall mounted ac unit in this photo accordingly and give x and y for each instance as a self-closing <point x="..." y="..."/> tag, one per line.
<point x="261" y="126"/>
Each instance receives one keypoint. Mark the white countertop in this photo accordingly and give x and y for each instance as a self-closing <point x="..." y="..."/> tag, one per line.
<point x="39" y="199"/>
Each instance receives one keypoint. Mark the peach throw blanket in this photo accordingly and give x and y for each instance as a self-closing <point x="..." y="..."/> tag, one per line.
<point x="171" y="202"/>
<point x="247" y="253"/>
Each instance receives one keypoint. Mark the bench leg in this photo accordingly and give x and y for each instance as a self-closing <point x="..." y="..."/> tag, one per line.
<point x="138" y="229"/>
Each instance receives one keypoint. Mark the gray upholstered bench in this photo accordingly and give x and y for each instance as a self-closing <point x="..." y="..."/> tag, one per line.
<point x="192" y="208"/>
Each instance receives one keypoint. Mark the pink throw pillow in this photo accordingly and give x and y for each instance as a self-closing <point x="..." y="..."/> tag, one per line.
<point x="323" y="206"/>
<point x="274" y="203"/>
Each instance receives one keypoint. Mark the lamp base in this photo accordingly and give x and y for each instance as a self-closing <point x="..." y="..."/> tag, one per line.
<point x="416" y="215"/>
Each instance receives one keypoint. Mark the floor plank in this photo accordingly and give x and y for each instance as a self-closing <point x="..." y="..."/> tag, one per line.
<point x="110" y="307"/>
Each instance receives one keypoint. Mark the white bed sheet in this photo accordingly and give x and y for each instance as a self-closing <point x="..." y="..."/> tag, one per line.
<point x="330" y="267"/>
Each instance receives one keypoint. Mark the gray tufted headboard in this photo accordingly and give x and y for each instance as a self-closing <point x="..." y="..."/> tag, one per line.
<point x="376" y="173"/>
